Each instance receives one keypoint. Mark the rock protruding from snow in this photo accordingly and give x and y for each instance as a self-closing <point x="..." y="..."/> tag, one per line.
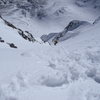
<point x="66" y="33"/>
<point x="46" y="38"/>
<point x="24" y="34"/>
<point x="74" y="24"/>
<point x="1" y="40"/>
<point x="12" y="45"/>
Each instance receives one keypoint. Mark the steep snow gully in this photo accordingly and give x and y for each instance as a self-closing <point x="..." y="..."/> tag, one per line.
<point x="56" y="57"/>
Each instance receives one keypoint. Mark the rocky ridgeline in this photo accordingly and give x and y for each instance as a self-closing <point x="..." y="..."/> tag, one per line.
<point x="24" y="34"/>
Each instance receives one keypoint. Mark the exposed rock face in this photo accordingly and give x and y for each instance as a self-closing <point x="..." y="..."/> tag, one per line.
<point x="55" y="37"/>
<point x="12" y="45"/>
<point x="46" y="38"/>
<point x="74" y="24"/>
<point x="24" y="34"/>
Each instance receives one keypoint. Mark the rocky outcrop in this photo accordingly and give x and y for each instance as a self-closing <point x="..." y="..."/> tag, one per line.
<point x="1" y="40"/>
<point x="12" y="45"/>
<point x="24" y="34"/>
<point x="55" y="37"/>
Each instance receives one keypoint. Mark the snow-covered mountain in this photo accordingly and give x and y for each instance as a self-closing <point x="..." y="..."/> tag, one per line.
<point x="91" y="3"/>
<point x="49" y="50"/>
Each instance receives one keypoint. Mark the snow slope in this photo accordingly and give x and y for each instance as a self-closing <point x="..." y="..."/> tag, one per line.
<point x="39" y="71"/>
